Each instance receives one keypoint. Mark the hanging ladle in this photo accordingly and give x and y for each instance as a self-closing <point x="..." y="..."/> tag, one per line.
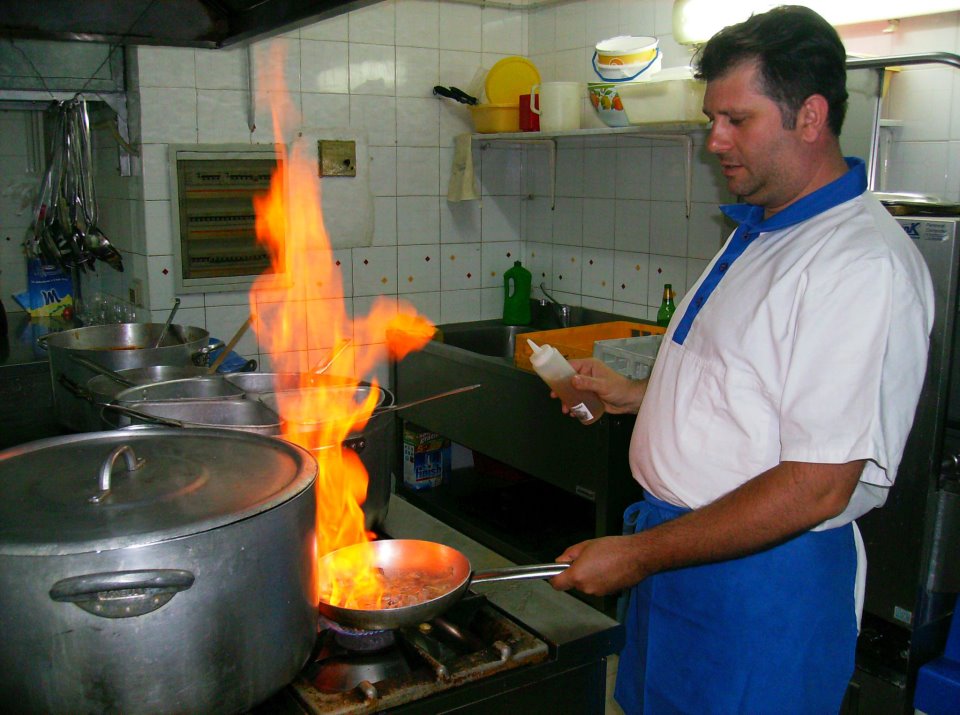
<point x="166" y="326"/>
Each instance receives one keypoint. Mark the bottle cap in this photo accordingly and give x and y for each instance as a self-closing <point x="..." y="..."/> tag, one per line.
<point x="533" y="346"/>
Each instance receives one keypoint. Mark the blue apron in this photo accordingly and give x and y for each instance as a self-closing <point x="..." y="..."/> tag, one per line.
<point x="774" y="632"/>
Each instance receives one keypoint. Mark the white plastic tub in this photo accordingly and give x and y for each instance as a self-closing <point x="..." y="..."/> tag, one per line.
<point x="672" y="95"/>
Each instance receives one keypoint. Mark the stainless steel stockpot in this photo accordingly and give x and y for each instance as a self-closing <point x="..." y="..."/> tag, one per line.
<point x="158" y="571"/>
<point x="116" y="347"/>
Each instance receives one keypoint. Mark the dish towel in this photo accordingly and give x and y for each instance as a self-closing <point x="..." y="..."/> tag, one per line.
<point x="463" y="183"/>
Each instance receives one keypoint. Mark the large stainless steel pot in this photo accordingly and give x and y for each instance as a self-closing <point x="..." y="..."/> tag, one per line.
<point x="117" y="347"/>
<point x="184" y="582"/>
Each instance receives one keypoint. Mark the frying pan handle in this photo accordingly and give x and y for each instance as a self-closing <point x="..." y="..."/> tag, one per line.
<point x="122" y="594"/>
<point x="519" y="573"/>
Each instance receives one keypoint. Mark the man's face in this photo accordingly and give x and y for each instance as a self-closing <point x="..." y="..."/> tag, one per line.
<point x="759" y="158"/>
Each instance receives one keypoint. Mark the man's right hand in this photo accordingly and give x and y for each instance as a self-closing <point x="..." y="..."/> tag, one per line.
<point x="620" y="395"/>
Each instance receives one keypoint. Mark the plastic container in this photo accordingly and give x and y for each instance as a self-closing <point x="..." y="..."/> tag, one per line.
<point x="509" y="78"/>
<point x="672" y="95"/>
<point x="632" y="357"/>
<point x="626" y="58"/>
<point x="495" y="118"/>
<point x="516" y="295"/>
<point x="554" y="369"/>
<point x="578" y="342"/>
<point x="605" y="98"/>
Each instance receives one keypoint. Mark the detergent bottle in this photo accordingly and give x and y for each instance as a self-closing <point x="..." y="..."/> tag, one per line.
<point x="516" y="295"/>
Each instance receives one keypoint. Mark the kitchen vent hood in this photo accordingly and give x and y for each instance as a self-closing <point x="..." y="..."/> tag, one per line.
<point x="175" y="23"/>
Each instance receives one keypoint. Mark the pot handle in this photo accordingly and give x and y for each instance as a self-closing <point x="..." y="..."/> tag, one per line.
<point x="133" y="464"/>
<point x="519" y="573"/>
<point x="122" y="594"/>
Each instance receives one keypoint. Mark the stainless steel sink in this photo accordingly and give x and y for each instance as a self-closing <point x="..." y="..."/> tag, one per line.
<point x="494" y="339"/>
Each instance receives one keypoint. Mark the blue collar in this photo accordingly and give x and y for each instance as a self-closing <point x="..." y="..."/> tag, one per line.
<point x="849" y="186"/>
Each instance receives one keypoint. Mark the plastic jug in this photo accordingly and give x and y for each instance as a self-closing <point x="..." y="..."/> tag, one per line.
<point x="516" y="295"/>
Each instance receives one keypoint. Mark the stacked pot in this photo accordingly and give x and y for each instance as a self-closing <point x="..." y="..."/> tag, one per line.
<point x="617" y="61"/>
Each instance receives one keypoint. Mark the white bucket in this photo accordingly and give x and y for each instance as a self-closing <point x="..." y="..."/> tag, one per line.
<point x="626" y="58"/>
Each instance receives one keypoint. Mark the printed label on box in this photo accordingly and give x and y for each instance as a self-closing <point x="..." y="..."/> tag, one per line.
<point x="426" y="458"/>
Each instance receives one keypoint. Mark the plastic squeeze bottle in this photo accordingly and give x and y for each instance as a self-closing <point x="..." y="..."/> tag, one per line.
<point x="556" y="372"/>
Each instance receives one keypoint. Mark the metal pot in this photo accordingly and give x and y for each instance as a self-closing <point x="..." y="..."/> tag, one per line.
<point x="103" y="388"/>
<point x="374" y="444"/>
<point x="117" y="347"/>
<point x="159" y="571"/>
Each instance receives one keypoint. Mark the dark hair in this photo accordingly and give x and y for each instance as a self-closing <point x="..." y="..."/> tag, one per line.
<point x="798" y="54"/>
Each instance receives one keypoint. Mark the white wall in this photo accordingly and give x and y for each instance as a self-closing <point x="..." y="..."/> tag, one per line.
<point x="618" y="231"/>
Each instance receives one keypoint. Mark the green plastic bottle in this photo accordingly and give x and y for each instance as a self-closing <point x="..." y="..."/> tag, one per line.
<point x="516" y="295"/>
<point x="666" y="307"/>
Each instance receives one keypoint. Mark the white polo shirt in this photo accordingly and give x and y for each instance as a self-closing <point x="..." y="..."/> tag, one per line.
<point x="811" y="347"/>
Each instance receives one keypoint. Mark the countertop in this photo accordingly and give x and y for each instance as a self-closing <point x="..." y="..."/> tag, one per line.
<point x="558" y="617"/>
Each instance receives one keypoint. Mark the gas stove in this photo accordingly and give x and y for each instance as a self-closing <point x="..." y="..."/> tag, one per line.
<point x="513" y="647"/>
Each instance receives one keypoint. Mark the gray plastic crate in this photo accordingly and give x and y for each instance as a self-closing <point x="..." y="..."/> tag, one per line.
<point x="633" y="357"/>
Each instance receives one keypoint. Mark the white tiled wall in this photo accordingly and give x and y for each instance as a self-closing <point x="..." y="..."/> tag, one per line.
<point x="618" y="229"/>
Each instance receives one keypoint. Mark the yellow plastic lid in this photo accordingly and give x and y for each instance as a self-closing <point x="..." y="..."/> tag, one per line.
<point x="509" y="78"/>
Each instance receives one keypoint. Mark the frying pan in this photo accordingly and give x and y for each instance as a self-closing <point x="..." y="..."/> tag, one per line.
<point x="445" y="569"/>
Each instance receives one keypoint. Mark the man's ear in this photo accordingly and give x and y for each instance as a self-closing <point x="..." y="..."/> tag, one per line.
<point x="812" y="119"/>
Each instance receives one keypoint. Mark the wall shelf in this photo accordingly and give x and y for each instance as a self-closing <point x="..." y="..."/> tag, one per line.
<point x="676" y="132"/>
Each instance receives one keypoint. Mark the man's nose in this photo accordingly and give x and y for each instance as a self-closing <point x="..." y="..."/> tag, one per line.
<point x="717" y="140"/>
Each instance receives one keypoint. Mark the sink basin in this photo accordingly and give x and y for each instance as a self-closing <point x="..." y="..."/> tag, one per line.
<point x="494" y="339"/>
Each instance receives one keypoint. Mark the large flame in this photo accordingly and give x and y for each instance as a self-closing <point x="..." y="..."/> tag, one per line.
<point x="299" y="338"/>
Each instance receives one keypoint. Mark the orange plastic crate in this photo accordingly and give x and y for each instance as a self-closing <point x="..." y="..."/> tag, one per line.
<point x="578" y="342"/>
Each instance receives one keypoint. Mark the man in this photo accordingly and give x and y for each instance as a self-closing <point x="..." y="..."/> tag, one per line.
<point x="777" y="410"/>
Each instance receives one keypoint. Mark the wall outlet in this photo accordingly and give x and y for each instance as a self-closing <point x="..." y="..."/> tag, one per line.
<point x="337" y="158"/>
<point x="135" y="293"/>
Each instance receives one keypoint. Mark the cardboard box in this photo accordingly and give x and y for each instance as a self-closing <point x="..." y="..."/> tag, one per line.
<point x="49" y="290"/>
<point x="426" y="458"/>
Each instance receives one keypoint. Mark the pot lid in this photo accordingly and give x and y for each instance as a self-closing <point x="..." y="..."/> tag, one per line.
<point x="189" y="481"/>
<point x="509" y="78"/>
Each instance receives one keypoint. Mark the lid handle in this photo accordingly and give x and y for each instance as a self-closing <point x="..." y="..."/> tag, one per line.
<point x="133" y="464"/>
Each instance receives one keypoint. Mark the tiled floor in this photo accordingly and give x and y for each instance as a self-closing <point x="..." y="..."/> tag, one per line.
<point x="612" y="707"/>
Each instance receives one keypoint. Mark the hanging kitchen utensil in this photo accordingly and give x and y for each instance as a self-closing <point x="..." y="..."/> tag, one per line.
<point x="231" y="345"/>
<point x="421" y="579"/>
<point x="334" y="354"/>
<point x="456" y="94"/>
<point x="65" y="218"/>
<point x="166" y="326"/>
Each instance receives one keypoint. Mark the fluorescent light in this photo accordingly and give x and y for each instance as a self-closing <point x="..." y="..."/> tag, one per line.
<point x="696" y="21"/>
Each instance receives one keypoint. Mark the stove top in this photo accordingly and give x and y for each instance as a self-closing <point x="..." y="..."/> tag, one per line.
<point x="356" y="671"/>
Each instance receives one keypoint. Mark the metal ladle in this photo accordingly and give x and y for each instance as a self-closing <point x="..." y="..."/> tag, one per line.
<point x="166" y="326"/>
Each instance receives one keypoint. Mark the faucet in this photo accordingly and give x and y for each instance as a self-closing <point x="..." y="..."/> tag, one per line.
<point x="563" y="311"/>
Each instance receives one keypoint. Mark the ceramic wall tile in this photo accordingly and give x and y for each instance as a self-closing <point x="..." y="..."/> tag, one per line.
<point x="326" y="110"/>
<point x="538" y="219"/>
<point x="567" y="267"/>
<point x="502" y="31"/>
<point x="705" y="231"/>
<point x="668" y="228"/>
<point x="455" y="119"/>
<point x="222" y="116"/>
<point x="383" y="171"/>
<point x="631" y="178"/>
<point x="374" y="24"/>
<point x="500" y="172"/>
<point x="460" y="266"/>
<point x="695" y="269"/>
<point x="500" y="219"/>
<point x="538" y="259"/>
<point x="385" y="221"/>
<point x="460" y="222"/>
<point x="221" y="69"/>
<point x="375" y="115"/>
<point x="571" y="25"/>
<point x="167" y="67"/>
<point x="290" y="117"/>
<point x="461" y="27"/>
<point x="604" y="304"/>
<point x="602" y="21"/>
<point x="418" y="220"/>
<point x="372" y="69"/>
<point x="418" y="122"/>
<point x="569" y="171"/>
<point x="459" y="306"/>
<point x="667" y="173"/>
<point x="709" y="186"/>
<point x="541" y="28"/>
<point x="596" y="276"/>
<point x="160" y="281"/>
<point x="630" y="276"/>
<point x="495" y="259"/>
<point x="600" y="172"/>
<point x="599" y="224"/>
<point x="666" y="269"/>
<point x="632" y="225"/>
<point x="426" y="304"/>
<point x="418" y="268"/>
<point x="634" y="310"/>
<point x="324" y="67"/>
<point x="418" y="23"/>
<point x="374" y="270"/>
<point x="335" y="28"/>
<point x="917" y="98"/>
<point x="155" y="168"/>
<point x="918" y="167"/>
<point x="276" y="64"/>
<point x="568" y="221"/>
<point x="159" y="228"/>
<point x="491" y="304"/>
<point x="952" y="192"/>
<point x="418" y="72"/>
<point x="224" y="321"/>
<point x="418" y="171"/>
<point x="637" y="18"/>
<point x="168" y="115"/>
